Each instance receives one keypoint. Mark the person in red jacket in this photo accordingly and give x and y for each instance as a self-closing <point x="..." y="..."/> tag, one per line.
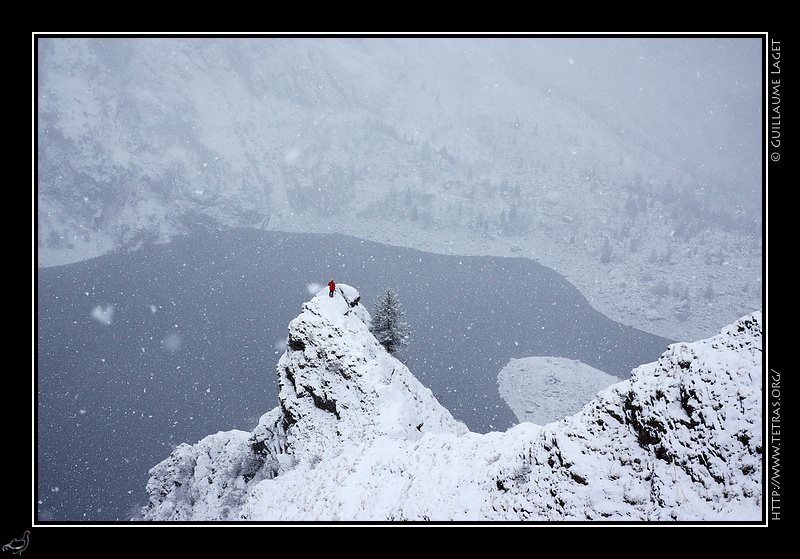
<point x="332" y="287"/>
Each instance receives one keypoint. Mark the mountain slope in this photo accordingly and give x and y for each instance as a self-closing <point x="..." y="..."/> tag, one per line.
<point x="357" y="437"/>
<point x="634" y="161"/>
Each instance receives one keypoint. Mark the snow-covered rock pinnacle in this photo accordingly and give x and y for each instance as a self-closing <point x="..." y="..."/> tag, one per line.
<point x="339" y="390"/>
<point x="339" y="386"/>
<point x="356" y="437"/>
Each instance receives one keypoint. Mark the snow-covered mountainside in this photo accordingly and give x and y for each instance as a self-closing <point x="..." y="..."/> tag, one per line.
<point x="630" y="170"/>
<point x="357" y="438"/>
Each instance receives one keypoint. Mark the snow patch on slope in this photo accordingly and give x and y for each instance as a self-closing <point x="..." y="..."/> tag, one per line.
<point x="546" y="389"/>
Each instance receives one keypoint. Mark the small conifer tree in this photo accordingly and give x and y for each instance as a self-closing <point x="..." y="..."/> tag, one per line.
<point x="387" y="323"/>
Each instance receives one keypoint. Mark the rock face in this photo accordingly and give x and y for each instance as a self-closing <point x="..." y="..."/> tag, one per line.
<point x="357" y="437"/>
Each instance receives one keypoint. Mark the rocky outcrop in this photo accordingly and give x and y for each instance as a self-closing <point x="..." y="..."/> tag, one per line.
<point x="339" y="388"/>
<point x="357" y="437"/>
<point x="680" y="440"/>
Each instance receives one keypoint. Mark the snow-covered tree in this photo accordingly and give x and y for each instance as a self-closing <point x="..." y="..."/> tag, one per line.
<point x="387" y="323"/>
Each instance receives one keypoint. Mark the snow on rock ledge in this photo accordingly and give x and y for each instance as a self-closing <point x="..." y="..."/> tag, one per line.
<point x="356" y="437"/>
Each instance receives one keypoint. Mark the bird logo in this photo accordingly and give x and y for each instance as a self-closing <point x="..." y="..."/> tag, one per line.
<point x="18" y="545"/>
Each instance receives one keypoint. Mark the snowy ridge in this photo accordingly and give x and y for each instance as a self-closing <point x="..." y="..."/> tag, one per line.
<point x="680" y="440"/>
<point x="357" y="438"/>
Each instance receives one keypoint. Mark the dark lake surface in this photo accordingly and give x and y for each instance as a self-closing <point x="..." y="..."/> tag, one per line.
<point x="139" y="352"/>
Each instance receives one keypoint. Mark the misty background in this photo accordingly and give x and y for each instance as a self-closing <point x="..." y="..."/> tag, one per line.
<point x="631" y="167"/>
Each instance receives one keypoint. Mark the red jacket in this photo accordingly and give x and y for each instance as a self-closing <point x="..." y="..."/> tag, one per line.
<point x="332" y="286"/>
